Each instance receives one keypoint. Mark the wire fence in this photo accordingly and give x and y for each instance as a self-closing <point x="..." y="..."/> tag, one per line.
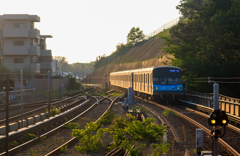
<point x="35" y="88"/>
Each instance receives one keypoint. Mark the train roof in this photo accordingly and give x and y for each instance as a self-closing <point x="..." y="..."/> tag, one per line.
<point x="146" y="69"/>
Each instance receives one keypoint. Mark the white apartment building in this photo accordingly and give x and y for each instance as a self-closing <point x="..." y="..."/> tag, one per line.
<point x="21" y="45"/>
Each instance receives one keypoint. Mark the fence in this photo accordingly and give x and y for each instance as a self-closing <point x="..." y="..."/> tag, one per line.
<point x="35" y="87"/>
<point x="226" y="103"/>
<point x="164" y="27"/>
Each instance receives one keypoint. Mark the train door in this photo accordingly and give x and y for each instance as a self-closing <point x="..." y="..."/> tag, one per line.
<point x="144" y="78"/>
<point x="148" y="82"/>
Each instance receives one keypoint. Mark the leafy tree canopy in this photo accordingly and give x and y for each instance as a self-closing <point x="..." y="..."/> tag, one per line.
<point x="135" y="35"/>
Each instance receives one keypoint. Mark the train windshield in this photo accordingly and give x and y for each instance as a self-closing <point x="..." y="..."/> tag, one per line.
<point x="167" y="76"/>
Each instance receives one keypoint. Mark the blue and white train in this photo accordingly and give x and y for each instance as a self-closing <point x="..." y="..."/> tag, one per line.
<point x="163" y="82"/>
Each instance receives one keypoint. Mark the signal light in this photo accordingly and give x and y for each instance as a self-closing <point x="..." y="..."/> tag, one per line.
<point x="224" y="121"/>
<point x="218" y="118"/>
<point x="213" y="121"/>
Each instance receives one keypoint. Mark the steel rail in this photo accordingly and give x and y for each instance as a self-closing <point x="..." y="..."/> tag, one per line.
<point x="26" y="144"/>
<point x="209" y="110"/>
<point x="36" y="110"/>
<point x="73" y="140"/>
<point x="228" y="147"/>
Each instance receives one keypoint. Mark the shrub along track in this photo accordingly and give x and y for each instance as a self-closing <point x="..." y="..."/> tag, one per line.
<point x="47" y="131"/>
<point x="93" y="116"/>
<point x="187" y="132"/>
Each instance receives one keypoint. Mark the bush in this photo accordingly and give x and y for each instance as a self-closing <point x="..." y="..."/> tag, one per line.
<point x="71" y="125"/>
<point x="29" y="137"/>
<point x="145" y="129"/>
<point x="64" y="149"/>
<point x="168" y="112"/>
<point x="88" y="141"/>
<point x="107" y="118"/>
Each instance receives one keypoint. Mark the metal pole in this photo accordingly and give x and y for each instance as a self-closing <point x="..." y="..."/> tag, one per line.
<point x="186" y="85"/>
<point x="216" y="107"/>
<point x="216" y="92"/>
<point x="48" y="93"/>
<point x="7" y="113"/>
<point x="22" y="98"/>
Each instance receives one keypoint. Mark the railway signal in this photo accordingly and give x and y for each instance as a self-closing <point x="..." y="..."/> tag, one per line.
<point x="218" y="118"/>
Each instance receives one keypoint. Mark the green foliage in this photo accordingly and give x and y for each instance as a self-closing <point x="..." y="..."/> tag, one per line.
<point x="116" y="94"/>
<point x="207" y="45"/>
<point x="71" y="125"/>
<point x="53" y="111"/>
<point x="132" y="151"/>
<point x="14" y="143"/>
<point x="77" y="68"/>
<point x="72" y="83"/>
<point x="88" y="141"/>
<point x="141" y="109"/>
<point x="64" y="149"/>
<point x="32" y="152"/>
<point x="107" y="118"/>
<point x="103" y="92"/>
<point x="135" y="35"/>
<point x="145" y="129"/>
<point x="28" y="137"/>
<point x="120" y="122"/>
<point x="117" y="136"/>
<point x="168" y="112"/>
<point x="159" y="149"/>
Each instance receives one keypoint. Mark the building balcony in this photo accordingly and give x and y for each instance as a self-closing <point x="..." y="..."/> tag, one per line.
<point x="34" y="18"/>
<point x="15" y="32"/>
<point x="15" y="50"/>
<point x="46" y="65"/>
<point x="35" y="50"/>
<point x="33" y="67"/>
<point x="34" y="33"/>
<point x="46" y="53"/>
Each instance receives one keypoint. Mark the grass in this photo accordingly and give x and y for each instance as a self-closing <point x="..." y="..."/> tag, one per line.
<point x="102" y="92"/>
<point x="116" y="94"/>
<point x="54" y="94"/>
<point x="168" y="112"/>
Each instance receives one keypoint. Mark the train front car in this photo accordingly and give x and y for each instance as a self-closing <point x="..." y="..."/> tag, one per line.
<point x="167" y="82"/>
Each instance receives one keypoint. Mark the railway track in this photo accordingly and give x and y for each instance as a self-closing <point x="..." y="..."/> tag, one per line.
<point x="227" y="145"/>
<point x="44" y="128"/>
<point x="41" y="109"/>
<point x="74" y="140"/>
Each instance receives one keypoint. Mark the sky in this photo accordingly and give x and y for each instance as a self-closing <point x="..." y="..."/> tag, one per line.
<point x="85" y="29"/>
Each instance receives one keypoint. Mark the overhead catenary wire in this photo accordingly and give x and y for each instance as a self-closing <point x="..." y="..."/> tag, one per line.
<point x="217" y="78"/>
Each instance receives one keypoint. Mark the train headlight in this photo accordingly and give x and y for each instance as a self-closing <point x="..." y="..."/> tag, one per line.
<point x="156" y="87"/>
<point x="179" y="87"/>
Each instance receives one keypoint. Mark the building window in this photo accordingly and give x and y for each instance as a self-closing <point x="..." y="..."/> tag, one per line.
<point x="18" y="60"/>
<point x="18" y="25"/>
<point x="18" y="43"/>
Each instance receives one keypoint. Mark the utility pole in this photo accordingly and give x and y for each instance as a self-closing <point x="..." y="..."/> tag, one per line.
<point x="21" y="98"/>
<point x="7" y="113"/>
<point x="186" y="85"/>
<point x="48" y="94"/>
<point x="216" y="107"/>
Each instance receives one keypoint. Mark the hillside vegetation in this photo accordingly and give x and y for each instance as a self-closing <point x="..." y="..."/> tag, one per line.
<point x="134" y="51"/>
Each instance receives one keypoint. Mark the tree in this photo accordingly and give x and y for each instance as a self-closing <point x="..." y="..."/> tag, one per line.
<point x="207" y="45"/>
<point x="135" y="35"/>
